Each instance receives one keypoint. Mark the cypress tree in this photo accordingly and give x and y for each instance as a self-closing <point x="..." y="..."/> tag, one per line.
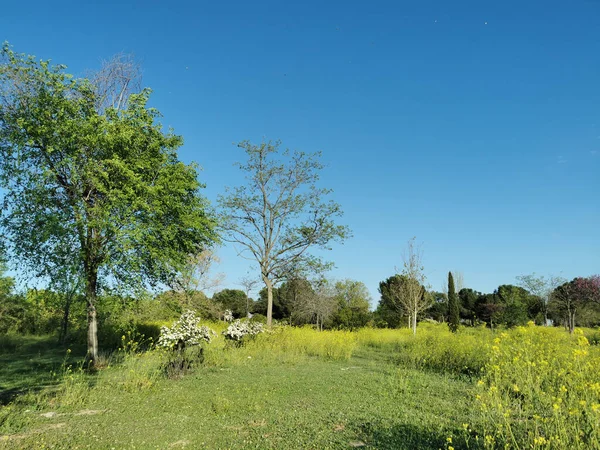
<point x="453" y="308"/>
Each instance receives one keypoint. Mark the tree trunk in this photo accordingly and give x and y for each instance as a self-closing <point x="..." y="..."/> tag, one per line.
<point x="572" y="322"/>
<point x="414" y="322"/>
<point x="92" y="334"/>
<point x="65" y="322"/>
<point x="269" y="285"/>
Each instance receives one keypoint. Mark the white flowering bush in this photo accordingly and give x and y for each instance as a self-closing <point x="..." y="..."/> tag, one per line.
<point x="228" y="315"/>
<point x="186" y="332"/>
<point x="238" y="330"/>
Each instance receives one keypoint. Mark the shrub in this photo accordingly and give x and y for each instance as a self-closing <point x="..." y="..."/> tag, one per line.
<point x="228" y="315"/>
<point x="259" y="318"/>
<point x="178" y="340"/>
<point x="240" y="330"/>
<point x="186" y="332"/>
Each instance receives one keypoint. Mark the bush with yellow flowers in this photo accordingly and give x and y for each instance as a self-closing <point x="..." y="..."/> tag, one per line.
<point x="541" y="389"/>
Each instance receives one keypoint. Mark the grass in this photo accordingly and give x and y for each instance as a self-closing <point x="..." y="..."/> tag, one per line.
<point x="28" y="363"/>
<point x="314" y="403"/>
<point x="298" y="388"/>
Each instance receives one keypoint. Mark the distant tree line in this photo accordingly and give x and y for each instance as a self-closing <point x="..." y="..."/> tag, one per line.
<point x="554" y="302"/>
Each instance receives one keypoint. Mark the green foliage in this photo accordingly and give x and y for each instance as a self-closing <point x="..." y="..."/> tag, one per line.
<point x="468" y="303"/>
<point x="34" y="312"/>
<point x="509" y="305"/>
<point x="453" y="305"/>
<point x="234" y="300"/>
<point x="289" y="301"/>
<point x="353" y="300"/>
<point x="389" y="309"/>
<point x="259" y="318"/>
<point x="98" y="189"/>
<point x="518" y="305"/>
<point x="11" y="308"/>
<point x="576" y="302"/>
<point x="281" y="303"/>
<point x="170" y="304"/>
<point x="106" y="185"/>
<point x="438" y="310"/>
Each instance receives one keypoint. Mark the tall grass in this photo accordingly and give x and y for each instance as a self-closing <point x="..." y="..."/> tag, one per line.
<point x="433" y="348"/>
<point x="283" y="345"/>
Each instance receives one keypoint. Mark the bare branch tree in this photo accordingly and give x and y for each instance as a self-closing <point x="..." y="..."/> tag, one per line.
<point x="118" y="77"/>
<point x="279" y="214"/>
<point x="318" y="304"/>
<point x="411" y="293"/>
<point x="248" y="283"/>
<point x="541" y="287"/>
<point x="459" y="280"/>
<point x="195" y="276"/>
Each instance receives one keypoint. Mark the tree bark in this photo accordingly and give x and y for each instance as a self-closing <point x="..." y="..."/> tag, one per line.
<point x="414" y="323"/>
<point x="269" y="285"/>
<point x="65" y="322"/>
<point x="572" y="322"/>
<point x="92" y="334"/>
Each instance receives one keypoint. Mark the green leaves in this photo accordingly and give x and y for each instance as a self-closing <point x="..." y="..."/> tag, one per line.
<point x="102" y="188"/>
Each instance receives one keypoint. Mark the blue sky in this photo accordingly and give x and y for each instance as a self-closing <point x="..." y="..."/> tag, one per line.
<point x="473" y="126"/>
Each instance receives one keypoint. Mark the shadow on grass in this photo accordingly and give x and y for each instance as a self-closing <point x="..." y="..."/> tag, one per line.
<point x="29" y="364"/>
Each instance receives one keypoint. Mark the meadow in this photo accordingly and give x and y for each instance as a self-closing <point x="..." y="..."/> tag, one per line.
<point x="527" y="387"/>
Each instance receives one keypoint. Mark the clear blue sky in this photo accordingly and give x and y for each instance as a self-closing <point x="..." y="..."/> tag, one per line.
<point x="474" y="126"/>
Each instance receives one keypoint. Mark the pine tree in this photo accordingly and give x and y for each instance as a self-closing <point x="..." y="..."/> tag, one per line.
<point x="453" y="308"/>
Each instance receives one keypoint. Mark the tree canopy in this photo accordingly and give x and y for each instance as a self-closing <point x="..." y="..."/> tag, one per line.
<point x="100" y="186"/>
<point x="280" y="213"/>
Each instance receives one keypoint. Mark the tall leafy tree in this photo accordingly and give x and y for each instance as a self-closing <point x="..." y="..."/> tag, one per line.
<point x="97" y="180"/>
<point x="234" y="300"/>
<point x="542" y="287"/>
<point x="438" y="310"/>
<point x="574" y="297"/>
<point x="468" y="304"/>
<point x="280" y="213"/>
<point x="453" y="305"/>
<point x="353" y="304"/>
<point x="517" y="304"/>
<point x="588" y="289"/>
<point x="489" y="310"/>
<point x="389" y="309"/>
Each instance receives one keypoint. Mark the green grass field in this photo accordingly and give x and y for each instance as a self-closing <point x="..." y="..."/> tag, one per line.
<point x="273" y="393"/>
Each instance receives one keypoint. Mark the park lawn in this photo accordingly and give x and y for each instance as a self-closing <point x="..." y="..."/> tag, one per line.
<point x="28" y="363"/>
<point x="310" y="402"/>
